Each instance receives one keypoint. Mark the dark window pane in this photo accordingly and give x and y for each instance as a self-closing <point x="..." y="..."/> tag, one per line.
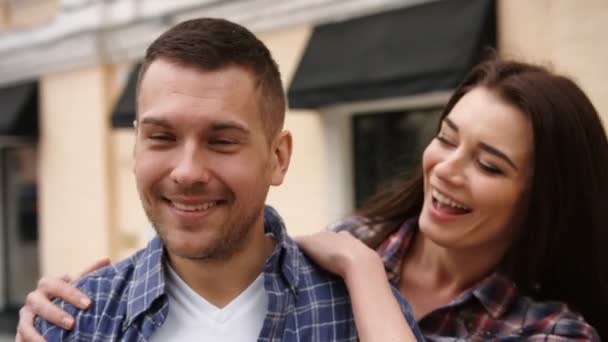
<point x="388" y="143"/>
<point x="19" y="224"/>
<point x="28" y="213"/>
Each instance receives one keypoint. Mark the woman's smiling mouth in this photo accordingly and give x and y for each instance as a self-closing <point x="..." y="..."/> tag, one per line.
<point x="447" y="205"/>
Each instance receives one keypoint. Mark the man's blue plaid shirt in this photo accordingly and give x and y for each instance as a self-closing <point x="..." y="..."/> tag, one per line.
<point x="130" y="302"/>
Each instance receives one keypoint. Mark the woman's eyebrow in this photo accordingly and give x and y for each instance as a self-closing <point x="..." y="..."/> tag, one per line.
<point x="496" y="152"/>
<point x="486" y="147"/>
<point x="450" y="124"/>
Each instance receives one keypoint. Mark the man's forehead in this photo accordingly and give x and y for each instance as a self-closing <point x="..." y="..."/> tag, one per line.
<point x="173" y="65"/>
<point x="166" y="76"/>
<point x="228" y="95"/>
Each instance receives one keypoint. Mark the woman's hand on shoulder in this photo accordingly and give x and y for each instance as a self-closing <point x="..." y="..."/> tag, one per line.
<point x="339" y="253"/>
<point x="377" y="313"/>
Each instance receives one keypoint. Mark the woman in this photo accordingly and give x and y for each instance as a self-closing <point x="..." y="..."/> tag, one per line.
<point x="505" y="222"/>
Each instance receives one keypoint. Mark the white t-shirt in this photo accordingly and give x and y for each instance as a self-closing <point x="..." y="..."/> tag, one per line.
<point x="192" y="318"/>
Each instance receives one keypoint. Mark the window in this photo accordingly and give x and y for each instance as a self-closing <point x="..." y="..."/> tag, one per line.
<point x="370" y="142"/>
<point x="386" y="144"/>
<point x="18" y="229"/>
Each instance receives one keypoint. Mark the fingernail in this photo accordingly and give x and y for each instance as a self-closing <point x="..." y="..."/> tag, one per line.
<point x="85" y="302"/>
<point x="67" y="322"/>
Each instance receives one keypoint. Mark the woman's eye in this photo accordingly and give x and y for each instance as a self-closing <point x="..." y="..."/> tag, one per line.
<point x="489" y="168"/>
<point x="444" y="140"/>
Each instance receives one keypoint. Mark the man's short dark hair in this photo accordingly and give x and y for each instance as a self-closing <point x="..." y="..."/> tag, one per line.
<point x="212" y="44"/>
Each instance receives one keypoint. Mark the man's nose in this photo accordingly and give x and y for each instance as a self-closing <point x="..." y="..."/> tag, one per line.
<point x="191" y="166"/>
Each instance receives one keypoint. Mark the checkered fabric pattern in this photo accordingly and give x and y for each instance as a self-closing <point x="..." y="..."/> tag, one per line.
<point x="130" y="303"/>
<point x="490" y="310"/>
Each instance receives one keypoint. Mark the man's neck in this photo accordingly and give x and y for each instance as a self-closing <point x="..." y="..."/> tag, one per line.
<point x="220" y="281"/>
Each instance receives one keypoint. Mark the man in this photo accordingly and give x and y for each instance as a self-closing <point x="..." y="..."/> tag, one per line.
<point x="209" y="144"/>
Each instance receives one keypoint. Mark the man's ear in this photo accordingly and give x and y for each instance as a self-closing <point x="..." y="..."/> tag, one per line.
<point x="281" y="156"/>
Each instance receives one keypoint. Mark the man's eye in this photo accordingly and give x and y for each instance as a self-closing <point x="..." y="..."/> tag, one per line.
<point x="161" y="137"/>
<point x="222" y="142"/>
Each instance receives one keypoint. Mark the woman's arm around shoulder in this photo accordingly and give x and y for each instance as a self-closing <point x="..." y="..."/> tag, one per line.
<point x="377" y="312"/>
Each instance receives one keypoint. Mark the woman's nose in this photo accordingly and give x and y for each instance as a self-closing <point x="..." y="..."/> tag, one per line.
<point x="451" y="169"/>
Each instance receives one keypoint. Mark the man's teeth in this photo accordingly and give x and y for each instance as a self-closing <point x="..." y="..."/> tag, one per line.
<point x="446" y="201"/>
<point x="197" y="207"/>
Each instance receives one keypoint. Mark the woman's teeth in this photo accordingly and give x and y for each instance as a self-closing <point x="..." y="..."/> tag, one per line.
<point x="447" y="201"/>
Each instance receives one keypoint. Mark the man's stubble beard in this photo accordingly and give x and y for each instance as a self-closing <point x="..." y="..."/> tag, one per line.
<point x="233" y="237"/>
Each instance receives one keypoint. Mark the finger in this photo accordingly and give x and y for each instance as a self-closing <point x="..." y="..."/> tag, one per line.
<point x="66" y="278"/>
<point x="55" y="287"/>
<point x="36" y="304"/>
<point x="26" y="332"/>
<point x="316" y="235"/>
<point x="31" y="335"/>
<point x="345" y="233"/>
<point x="304" y="241"/>
<point x="93" y="267"/>
<point x="298" y="239"/>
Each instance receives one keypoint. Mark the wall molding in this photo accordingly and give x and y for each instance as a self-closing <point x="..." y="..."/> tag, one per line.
<point x="94" y="32"/>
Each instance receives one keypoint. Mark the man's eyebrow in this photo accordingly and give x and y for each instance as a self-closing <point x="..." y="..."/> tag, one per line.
<point x="214" y="126"/>
<point x="228" y="125"/>
<point x="496" y="152"/>
<point x="156" y="122"/>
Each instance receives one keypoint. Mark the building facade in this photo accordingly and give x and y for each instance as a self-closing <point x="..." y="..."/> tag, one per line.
<point x="357" y="114"/>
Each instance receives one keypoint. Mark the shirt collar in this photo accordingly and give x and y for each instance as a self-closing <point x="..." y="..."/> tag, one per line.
<point x="394" y="247"/>
<point x="149" y="278"/>
<point x="496" y="293"/>
<point x="285" y="259"/>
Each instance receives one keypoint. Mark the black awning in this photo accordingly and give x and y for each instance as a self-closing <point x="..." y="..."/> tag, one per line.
<point x="124" y="110"/>
<point x="401" y="52"/>
<point x="19" y="110"/>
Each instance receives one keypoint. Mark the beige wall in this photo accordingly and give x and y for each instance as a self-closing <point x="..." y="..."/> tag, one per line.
<point x="302" y="199"/>
<point x="133" y="228"/>
<point x="569" y="35"/>
<point x="28" y="13"/>
<point x="75" y="215"/>
<point x="4" y="19"/>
